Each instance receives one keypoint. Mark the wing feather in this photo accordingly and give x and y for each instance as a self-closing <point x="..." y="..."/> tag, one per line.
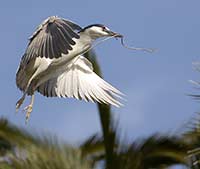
<point x="53" y="37"/>
<point x="79" y="81"/>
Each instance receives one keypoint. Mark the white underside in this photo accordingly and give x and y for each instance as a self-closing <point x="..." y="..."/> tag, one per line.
<point x="79" y="81"/>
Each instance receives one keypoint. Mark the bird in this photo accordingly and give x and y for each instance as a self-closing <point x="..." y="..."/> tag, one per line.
<point x="54" y="64"/>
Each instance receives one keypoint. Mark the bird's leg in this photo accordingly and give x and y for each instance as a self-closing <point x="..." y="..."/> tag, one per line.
<point x="29" y="108"/>
<point x="20" y="102"/>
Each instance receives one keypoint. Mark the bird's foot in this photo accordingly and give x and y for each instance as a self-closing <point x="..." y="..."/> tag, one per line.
<point x="19" y="103"/>
<point x="28" y="110"/>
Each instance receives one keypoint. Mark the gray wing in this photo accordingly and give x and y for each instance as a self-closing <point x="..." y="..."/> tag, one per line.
<point x="79" y="81"/>
<point x="52" y="38"/>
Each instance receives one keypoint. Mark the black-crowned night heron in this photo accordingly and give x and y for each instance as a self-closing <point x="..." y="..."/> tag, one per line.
<point x="54" y="65"/>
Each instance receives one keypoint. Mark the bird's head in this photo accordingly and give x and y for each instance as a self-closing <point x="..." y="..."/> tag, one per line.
<point x="97" y="31"/>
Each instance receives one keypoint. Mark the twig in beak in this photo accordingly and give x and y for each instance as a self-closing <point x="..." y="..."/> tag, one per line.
<point x="150" y="50"/>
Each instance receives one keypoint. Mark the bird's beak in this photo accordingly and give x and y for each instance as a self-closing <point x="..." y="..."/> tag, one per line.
<point x="117" y="35"/>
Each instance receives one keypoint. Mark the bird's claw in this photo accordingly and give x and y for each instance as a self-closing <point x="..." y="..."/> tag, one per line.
<point x="17" y="107"/>
<point x="28" y="110"/>
<point x="19" y="103"/>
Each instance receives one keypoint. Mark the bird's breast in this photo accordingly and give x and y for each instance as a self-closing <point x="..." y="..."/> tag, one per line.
<point x="57" y="66"/>
<point x="81" y="45"/>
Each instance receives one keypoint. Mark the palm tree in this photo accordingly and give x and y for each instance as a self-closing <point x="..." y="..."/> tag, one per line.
<point x="157" y="151"/>
<point x="21" y="150"/>
<point x="153" y="152"/>
<point x="105" y="116"/>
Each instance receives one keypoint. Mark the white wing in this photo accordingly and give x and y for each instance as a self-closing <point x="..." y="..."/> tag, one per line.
<point x="79" y="81"/>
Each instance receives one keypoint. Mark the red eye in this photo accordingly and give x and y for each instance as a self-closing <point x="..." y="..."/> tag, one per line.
<point x="103" y="28"/>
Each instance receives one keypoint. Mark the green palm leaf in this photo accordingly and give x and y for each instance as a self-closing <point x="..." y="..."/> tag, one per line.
<point x="21" y="150"/>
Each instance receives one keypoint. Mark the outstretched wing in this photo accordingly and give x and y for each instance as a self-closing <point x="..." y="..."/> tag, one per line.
<point x="79" y="81"/>
<point x="52" y="38"/>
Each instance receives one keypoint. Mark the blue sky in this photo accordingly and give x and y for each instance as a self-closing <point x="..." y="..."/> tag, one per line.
<point x="155" y="84"/>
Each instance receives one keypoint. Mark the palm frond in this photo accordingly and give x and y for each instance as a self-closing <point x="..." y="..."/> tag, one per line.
<point x="192" y="137"/>
<point x="92" y="145"/>
<point x="20" y="150"/>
